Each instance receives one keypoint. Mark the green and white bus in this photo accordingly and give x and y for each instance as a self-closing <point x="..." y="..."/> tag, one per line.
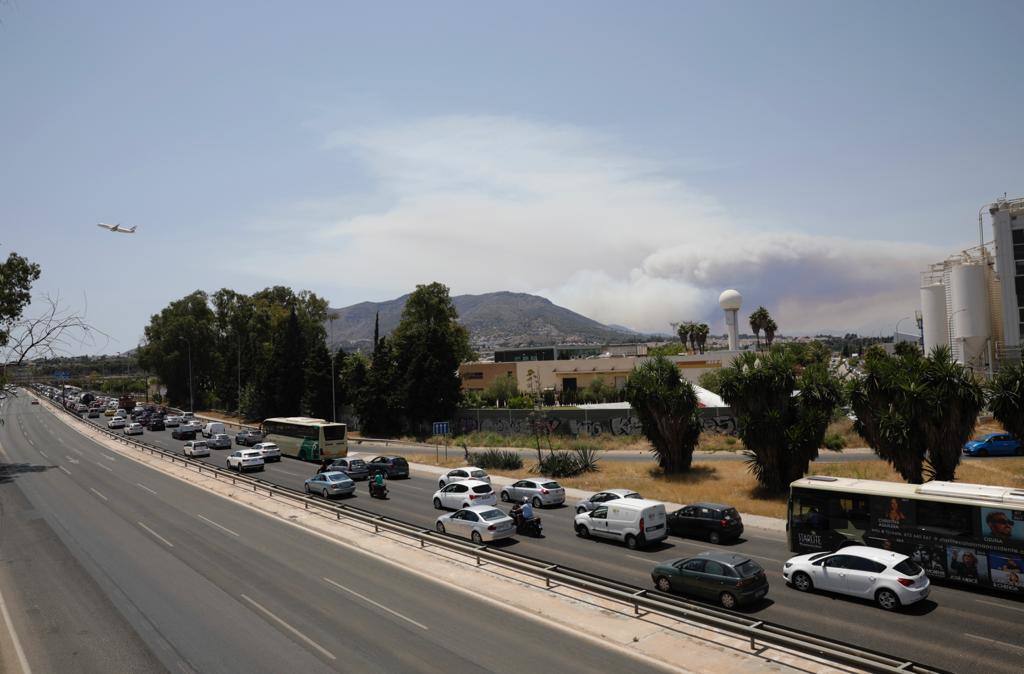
<point x="306" y="438"/>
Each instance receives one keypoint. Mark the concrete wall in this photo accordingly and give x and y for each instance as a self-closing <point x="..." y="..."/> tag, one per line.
<point x="577" y="422"/>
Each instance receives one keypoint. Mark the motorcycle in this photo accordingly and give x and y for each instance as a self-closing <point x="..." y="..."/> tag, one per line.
<point x="378" y="491"/>
<point x="529" y="527"/>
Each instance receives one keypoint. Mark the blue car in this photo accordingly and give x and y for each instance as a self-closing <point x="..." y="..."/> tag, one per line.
<point x="994" y="444"/>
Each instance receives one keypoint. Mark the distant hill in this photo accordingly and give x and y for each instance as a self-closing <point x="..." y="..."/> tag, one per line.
<point x="494" y="320"/>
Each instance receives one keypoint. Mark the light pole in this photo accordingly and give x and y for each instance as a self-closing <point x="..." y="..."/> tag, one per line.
<point x="919" y="319"/>
<point x="896" y="332"/>
<point x="334" y="405"/>
<point x="191" y="400"/>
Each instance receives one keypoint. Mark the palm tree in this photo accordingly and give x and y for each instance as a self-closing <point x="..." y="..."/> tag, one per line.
<point x="669" y="412"/>
<point x="684" y="331"/>
<point x="769" y="330"/>
<point x="1006" y="399"/>
<point x="758" y="320"/>
<point x="702" y="336"/>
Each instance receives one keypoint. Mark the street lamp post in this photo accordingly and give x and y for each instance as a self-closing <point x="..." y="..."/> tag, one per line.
<point x="896" y="332"/>
<point x="334" y="405"/>
<point x="191" y="400"/>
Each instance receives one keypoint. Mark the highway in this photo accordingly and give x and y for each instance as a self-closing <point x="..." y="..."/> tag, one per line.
<point x="109" y="565"/>
<point x="955" y="629"/>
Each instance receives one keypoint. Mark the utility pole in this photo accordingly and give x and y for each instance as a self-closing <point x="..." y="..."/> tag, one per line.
<point x="191" y="400"/>
<point x="334" y="405"/>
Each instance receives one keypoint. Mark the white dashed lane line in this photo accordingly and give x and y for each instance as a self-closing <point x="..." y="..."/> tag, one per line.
<point x="65" y="470"/>
<point x="291" y="629"/>
<point x="156" y="535"/>
<point x="219" y="526"/>
<point x="377" y="604"/>
<point x="104" y="467"/>
<point x="142" y="486"/>
<point x="98" y="494"/>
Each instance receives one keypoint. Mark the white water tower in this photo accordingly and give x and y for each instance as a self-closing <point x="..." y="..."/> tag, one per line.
<point x="731" y="301"/>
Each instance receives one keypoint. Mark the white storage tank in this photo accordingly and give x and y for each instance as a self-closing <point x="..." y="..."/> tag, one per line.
<point x="970" y="317"/>
<point x="933" y="316"/>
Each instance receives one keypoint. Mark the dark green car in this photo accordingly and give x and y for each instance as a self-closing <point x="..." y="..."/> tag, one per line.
<point x="725" y="578"/>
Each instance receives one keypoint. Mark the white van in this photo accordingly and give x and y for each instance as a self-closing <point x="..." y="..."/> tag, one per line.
<point x="213" y="428"/>
<point x="635" y="521"/>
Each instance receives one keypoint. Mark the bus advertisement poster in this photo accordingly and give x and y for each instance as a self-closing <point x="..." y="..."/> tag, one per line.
<point x="1006" y="570"/>
<point x="932" y="558"/>
<point x="892" y="515"/>
<point x="967" y="564"/>
<point x="999" y="525"/>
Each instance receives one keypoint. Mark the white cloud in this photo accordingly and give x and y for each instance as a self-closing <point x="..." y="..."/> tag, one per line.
<point x="494" y="203"/>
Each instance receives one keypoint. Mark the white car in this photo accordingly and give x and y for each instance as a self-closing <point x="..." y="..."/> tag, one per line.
<point x="189" y="426"/>
<point x="269" y="451"/>
<point x="171" y="421"/>
<point x="196" y="448"/>
<point x="478" y="523"/>
<point x="604" y="497"/>
<point x="466" y="473"/>
<point x="464" y="494"/>
<point x="116" y="422"/>
<point x="133" y="429"/>
<point x="889" y="578"/>
<point x="541" y="491"/>
<point x="245" y="459"/>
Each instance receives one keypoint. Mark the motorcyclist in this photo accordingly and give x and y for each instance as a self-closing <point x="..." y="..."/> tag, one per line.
<point x="516" y="513"/>
<point x="378" y="483"/>
<point x="526" y="509"/>
<point x="325" y="466"/>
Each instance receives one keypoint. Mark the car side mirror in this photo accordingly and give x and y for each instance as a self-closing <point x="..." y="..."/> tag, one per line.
<point x="820" y="562"/>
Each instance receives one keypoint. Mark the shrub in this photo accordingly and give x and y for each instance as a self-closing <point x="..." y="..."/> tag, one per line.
<point x="520" y="402"/>
<point x="498" y="459"/>
<point x="834" y="441"/>
<point x="570" y="463"/>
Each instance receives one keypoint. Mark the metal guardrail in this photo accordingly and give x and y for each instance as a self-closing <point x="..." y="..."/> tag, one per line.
<point x="642" y="599"/>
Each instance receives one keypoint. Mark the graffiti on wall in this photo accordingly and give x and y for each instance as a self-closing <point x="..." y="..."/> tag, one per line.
<point x="576" y="423"/>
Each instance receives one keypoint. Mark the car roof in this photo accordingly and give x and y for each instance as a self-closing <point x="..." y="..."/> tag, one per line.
<point x="465" y="468"/>
<point x="876" y="554"/>
<point x="332" y="472"/>
<point x="713" y="506"/>
<point x="620" y="492"/>
<point x="472" y="483"/>
<point x="730" y="558"/>
<point x="483" y="508"/>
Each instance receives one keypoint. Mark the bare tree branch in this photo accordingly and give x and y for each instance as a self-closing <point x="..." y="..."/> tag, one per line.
<point x="56" y="330"/>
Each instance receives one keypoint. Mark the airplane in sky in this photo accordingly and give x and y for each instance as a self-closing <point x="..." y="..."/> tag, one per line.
<point x="117" y="228"/>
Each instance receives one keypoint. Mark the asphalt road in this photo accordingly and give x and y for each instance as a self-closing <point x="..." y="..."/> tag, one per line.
<point x="172" y="577"/>
<point x="955" y="629"/>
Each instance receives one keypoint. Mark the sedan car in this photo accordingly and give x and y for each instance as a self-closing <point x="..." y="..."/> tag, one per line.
<point x="219" y="441"/>
<point x="248" y="437"/>
<point x="134" y="428"/>
<point x="391" y="466"/>
<point x="353" y="467"/>
<point x="888" y="578"/>
<point x="478" y="523"/>
<point x="245" y="459"/>
<point x="196" y="448"/>
<point x="728" y="579"/>
<point x="331" y="483"/>
<point x="94" y="414"/>
<point x="156" y="424"/>
<point x="464" y="494"/>
<point x="994" y="444"/>
<point x="109" y="412"/>
<point x="180" y="433"/>
<point x="172" y="421"/>
<point x="713" y="521"/>
<point x="603" y="497"/>
<point x="269" y="451"/>
<point x="467" y="473"/>
<point x="540" y="491"/>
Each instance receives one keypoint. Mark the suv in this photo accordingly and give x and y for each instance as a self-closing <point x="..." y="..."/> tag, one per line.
<point x="268" y="450"/>
<point x="245" y="459"/>
<point x="181" y="433"/>
<point x="156" y="424"/>
<point x="195" y="448"/>
<point x="354" y="468"/>
<point x="713" y="521"/>
<point x="248" y="437"/>
<point x="391" y="466"/>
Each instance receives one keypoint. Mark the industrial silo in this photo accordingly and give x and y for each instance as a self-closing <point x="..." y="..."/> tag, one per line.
<point x="970" y="318"/>
<point x="933" y="316"/>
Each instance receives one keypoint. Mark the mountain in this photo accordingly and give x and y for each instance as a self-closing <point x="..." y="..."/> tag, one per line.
<point x="501" y="319"/>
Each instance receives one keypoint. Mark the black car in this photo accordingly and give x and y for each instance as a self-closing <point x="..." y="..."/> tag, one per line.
<point x="728" y="579"/>
<point x="391" y="466"/>
<point x="180" y="434"/>
<point x="248" y="437"/>
<point x="713" y="521"/>
<point x="156" y="424"/>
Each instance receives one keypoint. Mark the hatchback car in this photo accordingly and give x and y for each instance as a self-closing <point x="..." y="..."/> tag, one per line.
<point x="156" y="424"/>
<point x="713" y="521"/>
<point x="331" y="483"/>
<point x="269" y="451"/>
<point x="464" y="494"/>
<point x="171" y="421"/>
<point x="994" y="444"/>
<point x="391" y="466"/>
<point x="603" y="497"/>
<point x="728" y="579"/>
<point x="478" y="523"/>
<point x="248" y="437"/>
<point x="109" y="412"/>
<point x="354" y="468"/>
<point x="888" y="578"/>
<point x="195" y="448"/>
<point x="245" y="459"/>
<point x="467" y="473"/>
<point x="219" y="441"/>
<point x="541" y="492"/>
<point x="134" y="428"/>
<point x="94" y="414"/>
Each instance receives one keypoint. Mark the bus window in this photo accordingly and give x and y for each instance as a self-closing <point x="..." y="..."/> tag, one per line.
<point x="945" y="519"/>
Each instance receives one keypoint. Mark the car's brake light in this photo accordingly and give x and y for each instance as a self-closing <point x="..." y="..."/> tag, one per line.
<point x="743" y="582"/>
<point x="724" y="522"/>
<point x="543" y="490"/>
<point x="492" y="528"/>
<point x="641" y="525"/>
<point x="905" y="582"/>
<point x="472" y="496"/>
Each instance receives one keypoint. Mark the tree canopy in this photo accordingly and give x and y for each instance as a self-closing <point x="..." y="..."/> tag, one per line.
<point x="17" y="274"/>
<point x="1006" y="398"/>
<point x="669" y="412"/>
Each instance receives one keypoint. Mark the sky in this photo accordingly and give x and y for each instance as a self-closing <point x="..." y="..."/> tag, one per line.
<point x="628" y="161"/>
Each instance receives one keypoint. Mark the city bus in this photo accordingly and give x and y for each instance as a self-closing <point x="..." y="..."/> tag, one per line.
<point x="971" y="534"/>
<point x="306" y="438"/>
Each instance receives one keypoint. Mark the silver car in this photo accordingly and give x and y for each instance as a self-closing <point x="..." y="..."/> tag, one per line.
<point x="354" y="468"/>
<point x="600" y="497"/>
<point x="332" y="483"/>
<point x="219" y="441"/>
<point x="478" y="523"/>
<point x="541" y="492"/>
<point x="467" y="473"/>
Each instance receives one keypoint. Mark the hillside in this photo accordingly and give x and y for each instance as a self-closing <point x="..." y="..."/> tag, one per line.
<point x="499" y="319"/>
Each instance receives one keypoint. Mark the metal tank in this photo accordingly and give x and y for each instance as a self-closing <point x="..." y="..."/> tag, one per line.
<point x="970" y="316"/>
<point x="933" y="316"/>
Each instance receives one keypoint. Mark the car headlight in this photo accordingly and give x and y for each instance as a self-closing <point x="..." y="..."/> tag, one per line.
<point x="788" y="564"/>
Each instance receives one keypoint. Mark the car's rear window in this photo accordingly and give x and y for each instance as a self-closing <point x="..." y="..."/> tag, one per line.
<point x="748" y="569"/>
<point x="730" y="513"/>
<point x="399" y="461"/>
<point x="337" y="478"/>
<point x="551" y="485"/>
<point x="478" y="473"/>
<point x="819" y="556"/>
<point x="356" y="463"/>
<point x="482" y="489"/>
<point x="493" y="514"/>
<point x="908" y="567"/>
<point x="633" y="495"/>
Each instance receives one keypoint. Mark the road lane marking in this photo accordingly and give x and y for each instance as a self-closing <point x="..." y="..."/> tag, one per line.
<point x="104" y="467"/>
<point x="209" y="521"/>
<point x="291" y="629"/>
<point x="109" y="458"/>
<point x="76" y="450"/>
<point x="378" y="605"/>
<point x="167" y="542"/>
<point x="139" y="484"/>
<point x="44" y="454"/>
<point x="288" y="472"/>
<point x="996" y="642"/>
<point x="72" y="460"/>
<point x="65" y="470"/>
<point x="22" y="660"/>
<point x="992" y="603"/>
<point x="98" y="494"/>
